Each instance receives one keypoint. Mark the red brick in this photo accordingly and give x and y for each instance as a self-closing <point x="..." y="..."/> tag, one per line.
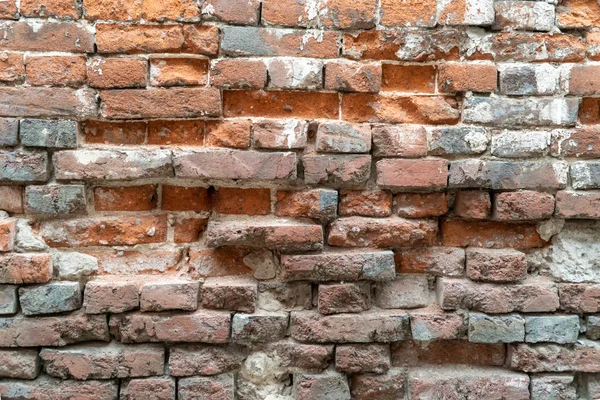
<point x="126" y="198"/>
<point x="228" y="133"/>
<point x="287" y="13"/>
<point x="107" y="231"/>
<point x="346" y="14"/>
<point x="496" y="265"/>
<point x="11" y="199"/>
<point x="394" y="108"/>
<point x="102" y="132"/>
<point x="117" y="72"/>
<point x="472" y="204"/>
<point x="491" y="234"/>
<point x="523" y="205"/>
<point x="440" y="261"/>
<point x="375" y="386"/>
<point x="372" y="203"/>
<point x="233" y="293"/>
<point x="592" y="39"/>
<point x="282" y="104"/>
<point x="12" y="67"/>
<point x="283" y="134"/>
<point x="200" y="326"/>
<point x="455" y="77"/>
<point x="579" y="297"/>
<point x="589" y="110"/>
<point x="133" y="262"/>
<point x="158" y="388"/>
<point x="187" y="230"/>
<point x="577" y="14"/>
<point x="178" y="132"/>
<point x="225" y="261"/>
<point x="350" y="76"/>
<point x="339" y="170"/>
<point x="583" y="357"/>
<point x="538" y="47"/>
<point x="320" y="386"/>
<point x="121" y="38"/>
<point x="362" y="358"/>
<point x="582" y="142"/>
<point x="434" y="324"/>
<point x="408" y="13"/>
<point x="239" y="74"/>
<point x="110" y="297"/>
<point x="9" y="10"/>
<point x="25" y="268"/>
<point x="428" y="174"/>
<point x="244" y="12"/>
<point x="182" y="198"/>
<point x="64" y="36"/>
<point x="409" y="78"/>
<point x="7" y="234"/>
<point x="204" y="387"/>
<point x="169" y="295"/>
<point x="161" y="103"/>
<point x="317" y="203"/>
<point x="384" y="232"/>
<point x="405" y="141"/>
<point x="414" y="353"/>
<point x="242" y="201"/>
<point x="19" y="364"/>
<point x="200" y="359"/>
<point x="344" y="298"/>
<point x="201" y="39"/>
<point x="580" y="205"/>
<point x="178" y="71"/>
<point x="55" y="70"/>
<point x="421" y="205"/>
<point x="47" y="102"/>
<point x="584" y="79"/>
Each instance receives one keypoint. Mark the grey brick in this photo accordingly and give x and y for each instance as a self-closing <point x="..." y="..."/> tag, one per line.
<point x="524" y="15"/>
<point x="556" y="329"/>
<point x="519" y="144"/>
<point x="506" y="111"/>
<point x="406" y="291"/>
<point x="553" y="387"/>
<point x="8" y="299"/>
<point x="23" y="166"/>
<point x="48" y="133"/>
<point x="585" y="175"/>
<point x="55" y="200"/>
<point x="341" y="137"/>
<point x="525" y="79"/>
<point x="593" y="327"/>
<point x="457" y="140"/>
<point x="50" y="298"/>
<point x="493" y="329"/>
<point x="9" y="128"/>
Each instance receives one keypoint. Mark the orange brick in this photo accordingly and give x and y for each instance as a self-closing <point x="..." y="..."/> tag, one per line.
<point x="242" y="201"/>
<point x="128" y="198"/>
<point x="492" y="234"/>
<point x="408" y="78"/>
<point x="180" y="71"/>
<point x="102" y="132"/>
<point x="589" y="110"/>
<point x="239" y="74"/>
<point x="368" y="203"/>
<point x="408" y="13"/>
<point x="115" y="10"/>
<point x="472" y="204"/>
<point x="186" y="132"/>
<point x="228" y="133"/>
<point x="187" y="230"/>
<point x="171" y="10"/>
<point x="50" y="8"/>
<point x="224" y="261"/>
<point x="7" y="234"/>
<point x="421" y="205"/>
<point x="53" y="70"/>
<point x="9" y="10"/>
<point x="122" y="38"/>
<point x="117" y="72"/>
<point x="181" y="198"/>
<point x="280" y="104"/>
<point x="577" y="14"/>
<point x="201" y="39"/>
<point x="455" y="77"/>
<point x="12" y="68"/>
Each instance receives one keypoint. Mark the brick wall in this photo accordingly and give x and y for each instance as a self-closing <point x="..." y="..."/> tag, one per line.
<point x="299" y="199"/>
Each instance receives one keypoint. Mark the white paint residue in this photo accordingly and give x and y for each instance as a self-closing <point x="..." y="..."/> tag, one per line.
<point x="547" y="78"/>
<point x="289" y="133"/>
<point x="208" y="9"/>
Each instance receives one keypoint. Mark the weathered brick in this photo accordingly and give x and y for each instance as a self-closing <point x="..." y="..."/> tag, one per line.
<point x="55" y="200"/>
<point x="421" y="14"/>
<point x="286" y="134"/>
<point x="239" y="74"/>
<point x="275" y="234"/>
<point x="201" y="326"/>
<point x="61" y="330"/>
<point x="110" y="297"/>
<point x="524" y="79"/>
<point x="343" y="266"/>
<point x="299" y="357"/>
<point x="524" y="15"/>
<point x="457" y="140"/>
<point x="9" y="130"/>
<point x="242" y="201"/>
<point x="150" y="388"/>
<point x="217" y="387"/>
<point x="556" y="329"/>
<point x="434" y="324"/>
<point x="351" y="76"/>
<point x="104" y="361"/>
<point x="321" y="386"/>
<point x="585" y="175"/>
<point x="338" y="170"/>
<point x="8" y="300"/>
<point x="336" y="137"/>
<point x="390" y="385"/>
<point x="582" y="357"/>
<point x="537" y="47"/>
<point x="73" y="266"/>
<point x="344" y="14"/>
<point x="19" y="364"/>
<point x="420" y="205"/>
<point x="478" y="383"/>
<point x="508" y="175"/>
<point x="405" y="291"/>
<point x="51" y="298"/>
<point x="316" y="203"/>
<point x="553" y="386"/>
<point x="532" y="295"/>
<point x="200" y="359"/>
<point x="169" y="295"/>
<point x="46" y="387"/>
<point x="578" y="143"/>
<point x="235" y="294"/>
<point x="178" y="71"/>
<point x="574" y="14"/>
<point x="523" y="205"/>
<point x="589" y="112"/>
<point x="9" y="10"/>
<point x="161" y="103"/>
<point x="234" y="164"/>
<point x="382" y="232"/>
<point x="380" y="326"/>
<point x="118" y="132"/>
<point x="362" y="358"/>
<point x="397" y="140"/>
<point x="413" y="353"/>
<point x="440" y="261"/>
<point x="496" y="329"/>
<point x="23" y="166"/>
<point x="223" y="261"/>
<point x="496" y="265"/>
<point x="579" y="205"/>
<point x="579" y="298"/>
<point x="472" y="204"/>
<point x="117" y="72"/>
<point x="187" y="230"/>
<point x="228" y="133"/>
<point x="458" y="77"/>
<point x="520" y="144"/>
<point x="464" y="12"/>
<point x="408" y="78"/>
<point x="259" y="327"/>
<point x="49" y="8"/>
<point x="105" y="231"/>
<point x="12" y="67"/>
<point x="48" y="133"/>
<point x="365" y="203"/>
<point x="278" y="296"/>
<point x="344" y="297"/>
<point x="428" y="174"/>
<point x="400" y="109"/>
<point x="56" y="70"/>
<point x="72" y="37"/>
<point x="7" y="234"/>
<point x="233" y="12"/>
<point x="25" y="268"/>
<point x="182" y="132"/>
<point x="125" y="198"/>
<point x="280" y="104"/>
<point x="47" y="102"/>
<point x="295" y="73"/>
<point x="123" y="38"/>
<point x="592" y="327"/>
<point x="506" y="112"/>
<point x="201" y="39"/>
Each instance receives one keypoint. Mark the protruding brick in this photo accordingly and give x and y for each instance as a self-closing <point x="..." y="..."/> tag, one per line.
<point x="315" y="203"/>
<point x="19" y="364"/>
<point x="523" y="205"/>
<point x="440" y="261"/>
<point x="8" y="300"/>
<point x="104" y="361"/>
<point x="496" y="329"/>
<point x="25" y="268"/>
<point x="362" y="358"/>
<point x="344" y="297"/>
<point x="200" y="387"/>
<point x="457" y="140"/>
<point x="110" y="297"/>
<point x="581" y="357"/>
<point x="405" y="291"/>
<point x="496" y="265"/>
<point x="285" y="134"/>
<point x="273" y="234"/>
<point x="339" y="170"/>
<point x="429" y="174"/>
<point x="380" y="326"/>
<point x="23" y="166"/>
<point x="235" y="294"/>
<point x="51" y="298"/>
<point x="55" y="200"/>
<point x="339" y="266"/>
<point x="366" y="203"/>
<point x="420" y="205"/>
<point x="259" y="327"/>
<point x="553" y="328"/>
<point x="169" y="295"/>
